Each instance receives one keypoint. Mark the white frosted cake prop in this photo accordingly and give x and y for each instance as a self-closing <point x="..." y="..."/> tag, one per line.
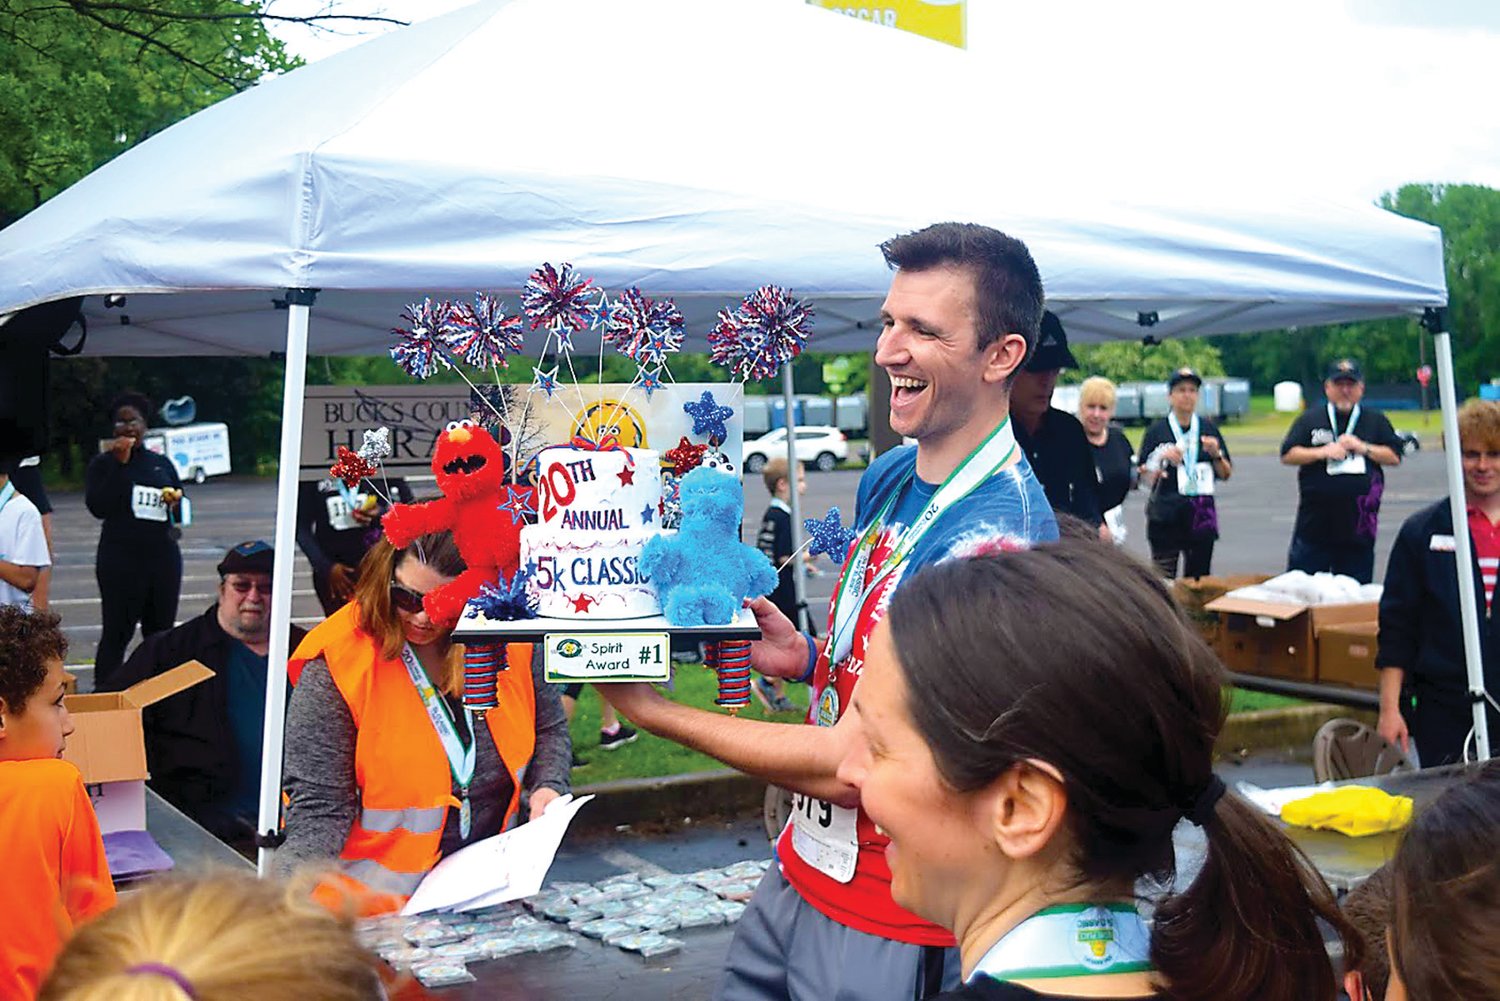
<point x="595" y="511"/>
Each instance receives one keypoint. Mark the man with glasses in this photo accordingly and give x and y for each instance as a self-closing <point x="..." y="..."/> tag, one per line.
<point x="203" y="745"/>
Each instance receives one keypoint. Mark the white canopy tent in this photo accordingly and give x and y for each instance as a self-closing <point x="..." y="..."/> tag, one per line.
<point x="460" y="153"/>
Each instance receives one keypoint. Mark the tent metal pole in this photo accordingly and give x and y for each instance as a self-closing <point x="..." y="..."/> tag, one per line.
<point x="294" y="385"/>
<point x="799" y="566"/>
<point x="1467" y="605"/>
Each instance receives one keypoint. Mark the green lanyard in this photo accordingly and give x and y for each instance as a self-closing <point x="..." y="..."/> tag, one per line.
<point x="995" y="453"/>
<point x="460" y="757"/>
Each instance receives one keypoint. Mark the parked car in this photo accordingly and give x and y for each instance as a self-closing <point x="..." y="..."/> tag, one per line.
<point x="818" y="445"/>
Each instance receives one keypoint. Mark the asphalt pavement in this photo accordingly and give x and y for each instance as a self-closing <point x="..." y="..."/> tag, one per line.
<point x="1257" y="508"/>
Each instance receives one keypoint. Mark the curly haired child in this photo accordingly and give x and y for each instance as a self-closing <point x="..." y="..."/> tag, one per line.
<point x="51" y="853"/>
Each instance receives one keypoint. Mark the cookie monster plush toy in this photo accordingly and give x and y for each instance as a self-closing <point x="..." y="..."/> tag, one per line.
<point x="704" y="573"/>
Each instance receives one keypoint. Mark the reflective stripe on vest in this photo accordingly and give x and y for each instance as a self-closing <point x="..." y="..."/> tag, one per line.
<point x="413" y="821"/>
<point x="405" y="785"/>
<point x="374" y="876"/>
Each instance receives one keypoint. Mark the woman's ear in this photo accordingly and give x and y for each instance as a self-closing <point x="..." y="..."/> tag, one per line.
<point x="1026" y="804"/>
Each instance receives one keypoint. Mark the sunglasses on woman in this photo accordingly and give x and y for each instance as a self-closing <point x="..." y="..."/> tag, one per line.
<point x="405" y="598"/>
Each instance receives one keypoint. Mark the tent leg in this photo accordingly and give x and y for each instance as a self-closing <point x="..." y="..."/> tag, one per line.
<point x="799" y="568"/>
<point x="1467" y="604"/>
<point x="293" y="387"/>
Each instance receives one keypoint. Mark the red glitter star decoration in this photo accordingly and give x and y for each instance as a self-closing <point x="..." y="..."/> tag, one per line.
<point x="686" y="457"/>
<point x="581" y="603"/>
<point x="626" y="475"/>
<point x="352" y="467"/>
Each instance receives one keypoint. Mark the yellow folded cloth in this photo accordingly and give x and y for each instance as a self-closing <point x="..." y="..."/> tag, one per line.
<point x="1353" y="810"/>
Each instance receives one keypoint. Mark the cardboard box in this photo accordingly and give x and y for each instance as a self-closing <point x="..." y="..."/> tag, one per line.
<point x="108" y="744"/>
<point x="1346" y="655"/>
<point x="1193" y="593"/>
<point x="1279" y="639"/>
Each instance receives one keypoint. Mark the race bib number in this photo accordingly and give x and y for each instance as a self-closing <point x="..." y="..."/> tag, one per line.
<point x="1196" y="482"/>
<point x="1352" y="465"/>
<point x="340" y="514"/>
<point x="146" y="503"/>
<point x="824" y="836"/>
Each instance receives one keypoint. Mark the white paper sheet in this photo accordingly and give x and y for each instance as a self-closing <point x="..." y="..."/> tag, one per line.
<point x="508" y="866"/>
<point x="1271" y="801"/>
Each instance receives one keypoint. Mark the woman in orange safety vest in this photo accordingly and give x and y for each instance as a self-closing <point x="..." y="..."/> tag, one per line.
<point x="386" y="771"/>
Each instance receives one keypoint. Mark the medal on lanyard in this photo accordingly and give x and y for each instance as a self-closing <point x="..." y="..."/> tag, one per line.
<point x="460" y="757"/>
<point x="995" y="453"/>
<point x="1189" y="444"/>
<point x="6" y="494"/>
<point x="1071" y="940"/>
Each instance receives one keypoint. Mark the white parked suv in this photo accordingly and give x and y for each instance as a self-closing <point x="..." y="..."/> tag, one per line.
<point x="818" y="445"/>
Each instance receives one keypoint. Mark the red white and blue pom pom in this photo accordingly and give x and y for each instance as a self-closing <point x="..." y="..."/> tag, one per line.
<point x="768" y="329"/>
<point x="643" y="329"/>
<point x="558" y="298"/>
<point x="417" y="352"/>
<point x="482" y="334"/>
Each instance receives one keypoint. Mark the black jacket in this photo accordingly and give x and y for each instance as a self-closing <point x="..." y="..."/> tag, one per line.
<point x="1420" y="630"/>
<point x="189" y="741"/>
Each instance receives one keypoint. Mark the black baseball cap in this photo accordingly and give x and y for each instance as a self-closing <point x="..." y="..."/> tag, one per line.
<point x="1051" y="347"/>
<point x="1184" y="374"/>
<point x="1345" y="370"/>
<point x="256" y="556"/>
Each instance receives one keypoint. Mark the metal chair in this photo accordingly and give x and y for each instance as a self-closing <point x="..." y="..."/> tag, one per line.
<point x="1348" y="749"/>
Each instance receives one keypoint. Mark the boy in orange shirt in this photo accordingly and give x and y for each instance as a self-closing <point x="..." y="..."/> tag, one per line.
<point x="53" y="875"/>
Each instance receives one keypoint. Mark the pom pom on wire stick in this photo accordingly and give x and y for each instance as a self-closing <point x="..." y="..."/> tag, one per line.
<point x="482" y="334"/>
<point x="642" y="329"/>
<point x="558" y="298"/>
<point x="730" y="659"/>
<point x="767" y="329"/>
<point x="417" y="352"/>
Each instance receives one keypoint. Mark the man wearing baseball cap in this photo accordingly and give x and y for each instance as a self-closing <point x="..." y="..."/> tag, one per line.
<point x="1054" y="442"/>
<point x="203" y="745"/>
<point x="1339" y="449"/>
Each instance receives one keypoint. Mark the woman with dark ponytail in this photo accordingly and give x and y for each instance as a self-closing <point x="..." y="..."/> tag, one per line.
<point x="1029" y="748"/>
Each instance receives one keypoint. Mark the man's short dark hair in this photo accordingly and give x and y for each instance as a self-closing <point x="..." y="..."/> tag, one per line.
<point x="1007" y="285"/>
<point x="1368" y="908"/>
<point x="29" y="641"/>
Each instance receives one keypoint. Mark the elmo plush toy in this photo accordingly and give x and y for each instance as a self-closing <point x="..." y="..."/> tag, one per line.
<point x="470" y="471"/>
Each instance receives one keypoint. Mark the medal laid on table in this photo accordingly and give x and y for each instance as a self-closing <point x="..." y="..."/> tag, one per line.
<point x="460" y="757"/>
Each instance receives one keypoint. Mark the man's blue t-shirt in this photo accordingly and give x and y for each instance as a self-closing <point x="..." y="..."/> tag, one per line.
<point x="245" y="680"/>
<point x="1009" y="506"/>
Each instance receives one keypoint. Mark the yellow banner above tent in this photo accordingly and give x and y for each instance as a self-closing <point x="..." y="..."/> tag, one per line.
<point x="940" y="20"/>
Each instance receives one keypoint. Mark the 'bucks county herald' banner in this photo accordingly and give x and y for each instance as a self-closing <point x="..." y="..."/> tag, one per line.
<point x="417" y="414"/>
<point x="941" y="20"/>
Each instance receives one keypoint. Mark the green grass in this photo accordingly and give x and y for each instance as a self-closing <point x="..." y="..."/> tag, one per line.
<point x="1243" y="701"/>
<point x="652" y="756"/>
<point x="1260" y="432"/>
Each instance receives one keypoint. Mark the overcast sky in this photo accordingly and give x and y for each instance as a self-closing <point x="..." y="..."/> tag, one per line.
<point x="1359" y="95"/>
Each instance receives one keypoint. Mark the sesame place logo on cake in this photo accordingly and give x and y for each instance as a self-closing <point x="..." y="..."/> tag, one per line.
<point x="611" y="418"/>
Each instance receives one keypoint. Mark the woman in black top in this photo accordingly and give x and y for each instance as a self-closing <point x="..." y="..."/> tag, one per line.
<point x="1024" y="806"/>
<point x="1182" y="456"/>
<point x="1114" y="459"/>
<point x="137" y="494"/>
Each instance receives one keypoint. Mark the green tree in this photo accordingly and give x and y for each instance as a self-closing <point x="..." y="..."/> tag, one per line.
<point x="1128" y="361"/>
<point x="81" y="81"/>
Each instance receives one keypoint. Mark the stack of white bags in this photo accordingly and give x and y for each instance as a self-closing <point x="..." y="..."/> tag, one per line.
<point x="1294" y="586"/>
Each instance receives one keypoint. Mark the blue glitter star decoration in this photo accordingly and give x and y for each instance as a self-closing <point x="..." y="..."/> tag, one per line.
<point x="829" y="536"/>
<point x="708" y="417"/>
<point x="648" y="513"/>
<point x="650" y="382"/>
<point x="544" y="381"/>
<point x="504" y="601"/>
<point x="517" y="504"/>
